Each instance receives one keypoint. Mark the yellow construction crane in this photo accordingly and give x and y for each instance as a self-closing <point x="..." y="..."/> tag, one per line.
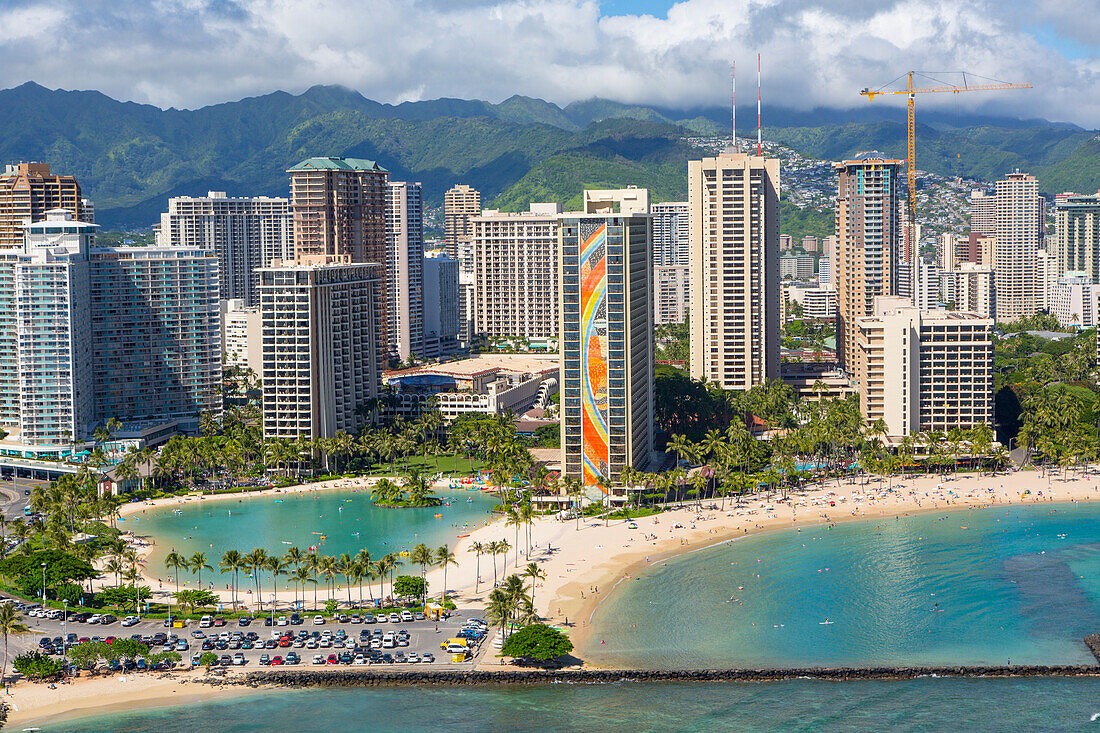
<point x="913" y="92"/>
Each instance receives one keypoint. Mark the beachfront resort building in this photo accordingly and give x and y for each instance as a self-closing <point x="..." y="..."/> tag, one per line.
<point x="156" y="333"/>
<point x="322" y="348"/>
<point x="735" y="285"/>
<point x="1075" y="300"/>
<point x="243" y="232"/>
<point x="868" y="235"/>
<point x="130" y="333"/>
<point x="923" y="370"/>
<point x="606" y="344"/>
<point x="491" y="384"/>
<point x="513" y="264"/>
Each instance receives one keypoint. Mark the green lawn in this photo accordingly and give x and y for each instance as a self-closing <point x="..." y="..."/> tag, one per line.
<point x="430" y="464"/>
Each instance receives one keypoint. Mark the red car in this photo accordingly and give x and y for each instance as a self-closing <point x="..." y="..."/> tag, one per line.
<point x="276" y="659"/>
<point x="219" y="621"/>
<point x="110" y="640"/>
<point x="284" y="641"/>
<point x="332" y="659"/>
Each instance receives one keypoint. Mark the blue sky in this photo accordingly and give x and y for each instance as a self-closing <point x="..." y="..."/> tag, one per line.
<point x="189" y="53"/>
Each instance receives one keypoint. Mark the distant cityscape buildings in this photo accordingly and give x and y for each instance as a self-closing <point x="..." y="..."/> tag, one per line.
<point x="670" y="234"/>
<point x="459" y="204"/>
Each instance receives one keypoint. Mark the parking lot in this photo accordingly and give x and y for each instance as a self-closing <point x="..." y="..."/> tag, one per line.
<point x="348" y="639"/>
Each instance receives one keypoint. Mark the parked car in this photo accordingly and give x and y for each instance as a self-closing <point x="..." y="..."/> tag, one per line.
<point x="130" y="620"/>
<point x="239" y="660"/>
<point x="318" y="659"/>
<point x="406" y="616"/>
<point x="219" y="621"/>
<point x="244" y="621"/>
<point x="318" y="620"/>
<point x="265" y="660"/>
<point x="293" y="658"/>
<point x="206" y="622"/>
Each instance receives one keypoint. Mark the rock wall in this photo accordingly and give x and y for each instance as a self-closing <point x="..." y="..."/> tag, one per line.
<point x="369" y="678"/>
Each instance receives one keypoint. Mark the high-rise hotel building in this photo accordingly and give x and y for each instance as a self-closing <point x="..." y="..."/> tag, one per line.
<point x="736" y="302"/>
<point x="156" y="329"/>
<point x="924" y="370"/>
<point x="514" y="265"/>
<point x="405" y="265"/>
<point x="459" y="204"/>
<point x="245" y="233"/>
<point x="868" y="231"/>
<point x="106" y="332"/>
<point x="27" y="192"/>
<point x="1077" y="240"/>
<point x="1013" y="216"/>
<point x="606" y="343"/>
<point x="322" y="361"/>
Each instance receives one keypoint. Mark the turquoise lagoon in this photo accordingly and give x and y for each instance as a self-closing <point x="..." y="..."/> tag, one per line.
<point x="333" y="521"/>
<point x="978" y="586"/>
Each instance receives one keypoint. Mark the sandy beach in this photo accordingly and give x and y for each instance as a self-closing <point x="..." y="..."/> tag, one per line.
<point x="31" y="704"/>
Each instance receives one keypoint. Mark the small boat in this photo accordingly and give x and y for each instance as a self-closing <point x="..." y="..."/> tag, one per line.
<point x="437" y="516"/>
<point x="462" y="536"/>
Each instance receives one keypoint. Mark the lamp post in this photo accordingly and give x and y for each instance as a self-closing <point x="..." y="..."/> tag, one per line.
<point x="273" y="614"/>
<point x="65" y="628"/>
<point x="43" y="585"/>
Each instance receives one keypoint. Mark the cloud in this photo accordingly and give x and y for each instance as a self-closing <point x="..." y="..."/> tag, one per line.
<point x="195" y="52"/>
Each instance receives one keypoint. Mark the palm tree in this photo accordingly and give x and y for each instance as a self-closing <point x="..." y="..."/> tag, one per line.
<point x="328" y="567"/>
<point x="197" y="564"/>
<point x="347" y="568"/>
<point x="312" y="563"/>
<point x="175" y="561"/>
<point x="255" y="561"/>
<point x="478" y="548"/>
<point x="275" y="565"/>
<point x="514" y="520"/>
<point x="443" y="558"/>
<point x="423" y="557"/>
<point x="11" y="622"/>
<point x="301" y="576"/>
<point x="535" y="573"/>
<point x="499" y="609"/>
<point x="294" y="556"/>
<point x="232" y="562"/>
<point x="363" y="559"/>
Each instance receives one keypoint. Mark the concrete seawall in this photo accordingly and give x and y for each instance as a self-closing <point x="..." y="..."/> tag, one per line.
<point x="365" y="678"/>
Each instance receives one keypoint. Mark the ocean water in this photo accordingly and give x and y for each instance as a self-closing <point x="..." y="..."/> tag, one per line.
<point x="349" y="521"/>
<point x="632" y="707"/>
<point x="1017" y="584"/>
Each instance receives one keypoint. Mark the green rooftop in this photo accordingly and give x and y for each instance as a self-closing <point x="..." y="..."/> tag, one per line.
<point x="338" y="164"/>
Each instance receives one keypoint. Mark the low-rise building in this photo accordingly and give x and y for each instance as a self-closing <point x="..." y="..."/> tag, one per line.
<point x="798" y="267"/>
<point x="493" y="384"/>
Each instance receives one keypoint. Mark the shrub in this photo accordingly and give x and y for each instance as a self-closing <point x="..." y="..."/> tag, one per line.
<point x="37" y="666"/>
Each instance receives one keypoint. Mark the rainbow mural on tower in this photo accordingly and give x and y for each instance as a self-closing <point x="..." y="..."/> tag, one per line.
<point x="593" y="284"/>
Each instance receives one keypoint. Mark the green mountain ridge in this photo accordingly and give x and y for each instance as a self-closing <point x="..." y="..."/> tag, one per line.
<point x="131" y="157"/>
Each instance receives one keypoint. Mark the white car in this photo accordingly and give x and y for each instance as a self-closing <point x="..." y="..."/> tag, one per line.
<point x="395" y="618"/>
<point x="94" y="619"/>
<point x="389" y="641"/>
<point x="130" y="620"/>
<point x="318" y="620"/>
<point x="413" y="658"/>
<point x="238" y="658"/>
<point x="360" y="659"/>
<point x="318" y="659"/>
<point x="281" y="621"/>
<point x="406" y="616"/>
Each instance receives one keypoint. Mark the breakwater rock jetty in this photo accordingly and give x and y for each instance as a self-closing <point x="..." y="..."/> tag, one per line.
<point x="365" y="678"/>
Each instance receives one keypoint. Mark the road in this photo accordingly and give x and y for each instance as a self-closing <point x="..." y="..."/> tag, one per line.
<point x="13" y="497"/>
<point x="424" y="637"/>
